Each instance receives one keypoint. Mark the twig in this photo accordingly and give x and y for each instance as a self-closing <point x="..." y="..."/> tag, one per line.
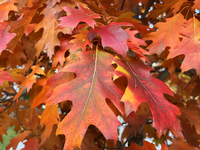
<point x="17" y="116"/>
<point x="122" y="7"/>
<point x="150" y="3"/>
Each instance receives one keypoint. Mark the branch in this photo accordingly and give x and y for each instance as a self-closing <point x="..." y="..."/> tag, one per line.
<point x="133" y="134"/>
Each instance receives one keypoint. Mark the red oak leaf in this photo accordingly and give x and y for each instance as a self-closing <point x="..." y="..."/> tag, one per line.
<point x="143" y="87"/>
<point x="136" y="25"/>
<point x="5" y="36"/>
<point x="5" y="76"/>
<point x="113" y="36"/>
<point x="60" y="54"/>
<point x="134" y="44"/>
<point x="87" y="92"/>
<point x="78" y="15"/>
<point x="189" y="46"/>
<point x="167" y="34"/>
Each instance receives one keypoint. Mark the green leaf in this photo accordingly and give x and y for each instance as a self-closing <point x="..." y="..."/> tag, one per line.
<point x="7" y="137"/>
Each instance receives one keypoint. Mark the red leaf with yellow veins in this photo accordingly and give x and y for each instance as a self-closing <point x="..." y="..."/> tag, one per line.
<point x="78" y="15"/>
<point x="189" y="46"/>
<point x="167" y="34"/>
<point x="87" y="92"/>
<point x="113" y="36"/>
<point x="143" y="87"/>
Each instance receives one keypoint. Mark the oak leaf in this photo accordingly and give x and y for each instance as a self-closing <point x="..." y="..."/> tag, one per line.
<point x="49" y="112"/>
<point x="93" y="84"/>
<point x="5" y="8"/>
<point x="113" y="36"/>
<point x="49" y="38"/>
<point x="81" y="41"/>
<point x="160" y="8"/>
<point x="78" y="15"/>
<point x="135" y="43"/>
<point x="52" y="82"/>
<point x="19" y="27"/>
<point x="5" y="36"/>
<point x="167" y="34"/>
<point x="189" y="46"/>
<point x="143" y="30"/>
<point x="193" y="117"/>
<point x="28" y="82"/>
<point x="59" y="57"/>
<point x="143" y="87"/>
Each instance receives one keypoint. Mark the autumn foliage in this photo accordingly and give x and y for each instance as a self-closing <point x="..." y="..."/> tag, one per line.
<point x="69" y="69"/>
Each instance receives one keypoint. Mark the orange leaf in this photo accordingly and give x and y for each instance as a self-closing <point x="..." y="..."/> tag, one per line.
<point x="49" y="112"/>
<point x="167" y="34"/>
<point x="191" y="42"/>
<point x="5" y="8"/>
<point x="28" y="82"/>
<point x="49" y="38"/>
<point x="81" y="41"/>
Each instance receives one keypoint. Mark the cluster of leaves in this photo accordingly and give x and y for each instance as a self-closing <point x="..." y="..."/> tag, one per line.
<point x="88" y="61"/>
